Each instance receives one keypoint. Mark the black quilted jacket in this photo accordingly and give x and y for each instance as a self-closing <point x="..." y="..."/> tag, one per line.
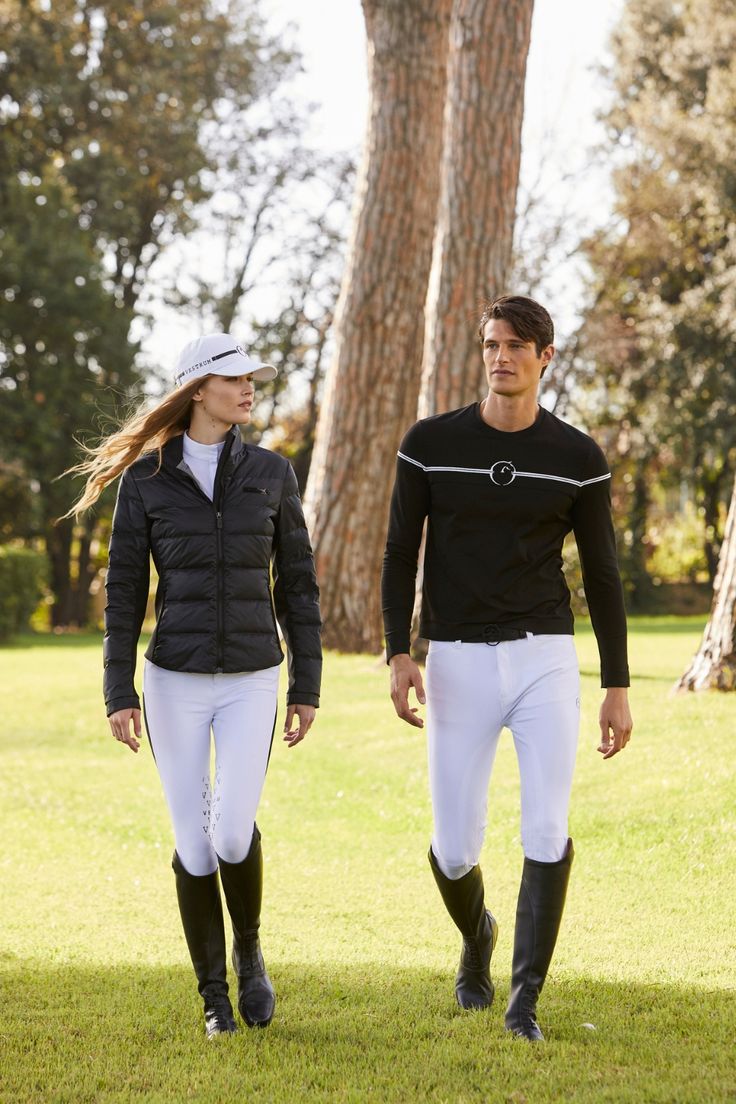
<point x="214" y="607"/>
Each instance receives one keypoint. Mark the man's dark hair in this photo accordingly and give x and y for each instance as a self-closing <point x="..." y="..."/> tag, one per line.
<point x="527" y="318"/>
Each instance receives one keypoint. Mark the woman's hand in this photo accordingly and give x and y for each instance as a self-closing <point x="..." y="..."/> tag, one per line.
<point x="306" y="715"/>
<point x="120" y="725"/>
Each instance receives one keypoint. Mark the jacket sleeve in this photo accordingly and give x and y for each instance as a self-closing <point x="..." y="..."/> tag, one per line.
<point x="296" y="597"/>
<point x="410" y="503"/>
<point x="127" y="593"/>
<point x="596" y="541"/>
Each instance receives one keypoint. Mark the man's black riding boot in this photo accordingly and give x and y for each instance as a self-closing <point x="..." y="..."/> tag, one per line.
<point x="243" y="886"/>
<point x="538" y="915"/>
<point x="464" y="900"/>
<point x="201" y="916"/>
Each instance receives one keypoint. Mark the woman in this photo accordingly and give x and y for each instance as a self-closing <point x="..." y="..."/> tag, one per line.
<point x="219" y="518"/>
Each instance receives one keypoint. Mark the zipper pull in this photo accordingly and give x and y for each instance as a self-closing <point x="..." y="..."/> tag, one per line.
<point x="219" y="520"/>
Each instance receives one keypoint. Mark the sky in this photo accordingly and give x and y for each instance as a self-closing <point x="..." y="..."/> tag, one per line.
<point x="563" y="93"/>
<point x="564" y="90"/>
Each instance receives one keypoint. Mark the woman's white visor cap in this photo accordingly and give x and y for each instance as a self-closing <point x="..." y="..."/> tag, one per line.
<point x="218" y="354"/>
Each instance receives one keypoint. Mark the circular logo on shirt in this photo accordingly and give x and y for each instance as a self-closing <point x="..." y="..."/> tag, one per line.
<point x="503" y="472"/>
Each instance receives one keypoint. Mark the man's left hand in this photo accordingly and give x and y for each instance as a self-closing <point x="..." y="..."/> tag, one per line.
<point x="615" y="721"/>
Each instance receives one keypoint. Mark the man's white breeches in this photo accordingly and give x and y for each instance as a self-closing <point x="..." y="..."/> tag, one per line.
<point x="532" y="687"/>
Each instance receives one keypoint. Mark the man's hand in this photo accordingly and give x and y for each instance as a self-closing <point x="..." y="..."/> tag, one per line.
<point x="405" y="674"/>
<point x="615" y="721"/>
<point x="306" y="715"/>
<point x="120" y="725"/>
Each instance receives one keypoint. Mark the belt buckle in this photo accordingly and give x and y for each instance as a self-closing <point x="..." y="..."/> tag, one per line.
<point x="492" y="634"/>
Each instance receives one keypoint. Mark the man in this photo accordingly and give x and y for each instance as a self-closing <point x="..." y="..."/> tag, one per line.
<point x="501" y="482"/>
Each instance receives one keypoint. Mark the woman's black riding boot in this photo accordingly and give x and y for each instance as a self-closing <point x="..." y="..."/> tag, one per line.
<point x="538" y="915"/>
<point x="464" y="900"/>
<point x="243" y="886"/>
<point x="201" y="916"/>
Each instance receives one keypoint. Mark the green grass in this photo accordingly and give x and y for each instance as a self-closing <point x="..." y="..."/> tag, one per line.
<point x="99" y="1002"/>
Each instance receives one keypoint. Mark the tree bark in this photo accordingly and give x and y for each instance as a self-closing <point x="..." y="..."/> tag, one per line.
<point x="710" y="485"/>
<point x="372" y="385"/>
<point x="58" y="549"/>
<point x="489" y="43"/>
<point x="638" y="580"/>
<point x="86" y="571"/>
<point x="714" y="664"/>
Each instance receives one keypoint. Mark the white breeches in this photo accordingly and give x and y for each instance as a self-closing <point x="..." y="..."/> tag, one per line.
<point x="532" y="687"/>
<point x="181" y="711"/>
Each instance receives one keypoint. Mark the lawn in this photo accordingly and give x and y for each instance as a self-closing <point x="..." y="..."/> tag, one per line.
<point x="99" y="1002"/>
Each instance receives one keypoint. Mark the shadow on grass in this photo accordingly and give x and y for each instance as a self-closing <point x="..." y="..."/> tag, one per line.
<point x="356" y="1033"/>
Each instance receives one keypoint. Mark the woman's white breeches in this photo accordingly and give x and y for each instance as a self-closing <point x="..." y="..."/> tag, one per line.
<point x="532" y="687"/>
<point x="183" y="711"/>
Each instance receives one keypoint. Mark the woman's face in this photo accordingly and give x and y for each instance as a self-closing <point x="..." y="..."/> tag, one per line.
<point x="223" y="401"/>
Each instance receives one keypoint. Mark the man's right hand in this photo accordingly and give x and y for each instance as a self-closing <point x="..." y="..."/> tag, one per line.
<point x="120" y="726"/>
<point x="404" y="674"/>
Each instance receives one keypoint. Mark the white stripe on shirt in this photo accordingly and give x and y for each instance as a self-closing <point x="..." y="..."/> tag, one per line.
<point x="521" y="474"/>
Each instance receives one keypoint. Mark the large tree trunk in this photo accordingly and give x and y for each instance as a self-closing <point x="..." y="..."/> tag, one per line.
<point x="637" y="577"/>
<point x="86" y="571"/>
<point x="714" y="665"/>
<point x="711" y="483"/>
<point x="489" y="42"/>
<point x="372" y="386"/>
<point x="58" y="550"/>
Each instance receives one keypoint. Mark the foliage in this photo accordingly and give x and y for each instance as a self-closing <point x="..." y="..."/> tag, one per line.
<point x="16" y="503"/>
<point x="65" y="358"/>
<point x="266" y="260"/>
<point x="659" y="336"/>
<point x="100" y="1001"/>
<point x="676" y="541"/>
<point x="104" y="110"/>
<point x="23" y="576"/>
<point x="64" y="354"/>
<point x="574" y="577"/>
<point x="116" y="95"/>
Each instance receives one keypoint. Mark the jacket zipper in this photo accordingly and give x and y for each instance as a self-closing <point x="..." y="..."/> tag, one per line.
<point x="220" y="594"/>
<point x="221" y="481"/>
<point x="219" y="567"/>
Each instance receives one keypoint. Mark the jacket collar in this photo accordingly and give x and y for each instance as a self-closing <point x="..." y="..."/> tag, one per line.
<point x="173" y="450"/>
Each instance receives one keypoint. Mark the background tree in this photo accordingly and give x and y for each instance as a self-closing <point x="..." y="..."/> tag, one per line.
<point x="714" y="663"/>
<point x="660" y="332"/>
<point x="481" y="152"/>
<point x="104" y="110"/>
<point x="373" y="386"/>
<point x="65" y="363"/>
<point x="373" y="381"/>
<point x="265" y="261"/>
<point x="118" y="96"/>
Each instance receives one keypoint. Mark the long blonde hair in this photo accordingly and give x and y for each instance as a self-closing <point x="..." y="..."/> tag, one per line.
<point x="146" y="430"/>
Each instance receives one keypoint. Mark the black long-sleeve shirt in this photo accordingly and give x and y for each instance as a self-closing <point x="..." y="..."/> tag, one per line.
<point x="499" y="506"/>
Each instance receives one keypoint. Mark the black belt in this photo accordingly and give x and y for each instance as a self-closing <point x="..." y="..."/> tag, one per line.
<point x="494" y="634"/>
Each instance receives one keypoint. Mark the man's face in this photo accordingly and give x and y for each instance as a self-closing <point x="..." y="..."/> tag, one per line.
<point x="512" y="365"/>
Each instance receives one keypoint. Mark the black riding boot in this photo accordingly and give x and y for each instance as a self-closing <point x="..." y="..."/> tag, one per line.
<point x="463" y="898"/>
<point x="538" y="915"/>
<point x="243" y="886"/>
<point x="201" y="916"/>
